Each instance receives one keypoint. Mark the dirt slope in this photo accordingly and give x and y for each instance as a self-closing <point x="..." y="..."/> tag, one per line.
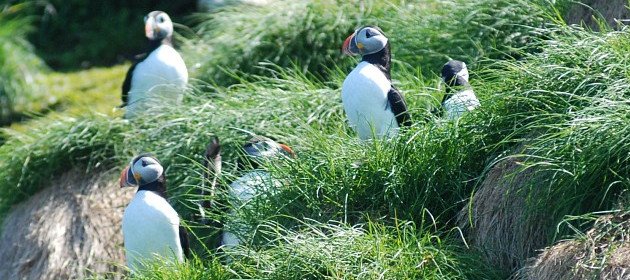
<point x="69" y="230"/>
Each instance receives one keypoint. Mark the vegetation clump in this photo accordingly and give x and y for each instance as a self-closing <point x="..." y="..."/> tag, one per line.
<point x="19" y="66"/>
<point x="599" y="253"/>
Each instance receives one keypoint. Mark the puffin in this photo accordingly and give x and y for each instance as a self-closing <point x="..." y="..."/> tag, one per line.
<point x="373" y="106"/>
<point x="151" y="227"/>
<point x="253" y="181"/>
<point x="160" y="75"/>
<point x="460" y="97"/>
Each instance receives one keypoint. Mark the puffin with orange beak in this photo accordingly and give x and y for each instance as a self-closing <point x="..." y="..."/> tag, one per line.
<point x="159" y="76"/>
<point x="151" y="227"/>
<point x="374" y="107"/>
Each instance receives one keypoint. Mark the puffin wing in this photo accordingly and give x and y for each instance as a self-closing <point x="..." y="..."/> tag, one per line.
<point x="398" y="106"/>
<point x="439" y="111"/>
<point x="126" y="87"/>
<point x="183" y="240"/>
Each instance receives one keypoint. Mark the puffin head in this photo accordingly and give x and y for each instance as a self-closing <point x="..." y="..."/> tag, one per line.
<point x="260" y="148"/>
<point x="364" y="41"/>
<point x="143" y="170"/>
<point x="157" y="26"/>
<point x="455" y="73"/>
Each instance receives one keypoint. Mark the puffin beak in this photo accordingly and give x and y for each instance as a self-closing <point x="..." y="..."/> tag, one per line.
<point x="350" y="46"/>
<point x="150" y="28"/>
<point x="123" y="177"/>
<point x="127" y="179"/>
<point x="287" y="149"/>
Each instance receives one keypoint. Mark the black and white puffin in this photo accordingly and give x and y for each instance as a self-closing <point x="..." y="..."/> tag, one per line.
<point x="373" y="105"/>
<point x="161" y="75"/>
<point x="253" y="182"/>
<point x="151" y="227"/>
<point x="460" y="97"/>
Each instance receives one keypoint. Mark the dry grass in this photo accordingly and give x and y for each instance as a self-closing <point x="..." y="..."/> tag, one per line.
<point x="66" y="231"/>
<point x="555" y="263"/>
<point x="497" y="221"/>
<point x="602" y="253"/>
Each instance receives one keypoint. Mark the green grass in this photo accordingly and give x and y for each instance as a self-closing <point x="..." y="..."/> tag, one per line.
<point x="28" y="90"/>
<point x="370" y="251"/>
<point x="335" y="251"/>
<point x="196" y="269"/>
<point x="19" y="66"/>
<point x="176" y="138"/>
<point x="568" y="105"/>
<point x="345" y="208"/>
<point x="94" y="90"/>
<point x="309" y="34"/>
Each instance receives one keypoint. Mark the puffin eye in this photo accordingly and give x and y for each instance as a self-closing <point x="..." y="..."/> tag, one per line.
<point x="369" y="33"/>
<point x="161" y="19"/>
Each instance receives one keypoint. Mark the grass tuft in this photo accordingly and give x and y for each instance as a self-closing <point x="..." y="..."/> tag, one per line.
<point x="51" y="146"/>
<point x="372" y="251"/>
<point x="19" y="66"/>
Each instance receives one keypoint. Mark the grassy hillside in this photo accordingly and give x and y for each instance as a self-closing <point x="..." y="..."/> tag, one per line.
<point x="309" y="33"/>
<point x="365" y="210"/>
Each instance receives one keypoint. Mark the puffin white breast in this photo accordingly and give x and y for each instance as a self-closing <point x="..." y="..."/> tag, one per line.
<point x="364" y="97"/>
<point x="243" y="190"/>
<point x="161" y="77"/>
<point x="461" y="103"/>
<point x="150" y="231"/>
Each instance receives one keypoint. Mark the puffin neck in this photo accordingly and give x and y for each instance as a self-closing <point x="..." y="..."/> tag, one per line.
<point x="381" y="59"/>
<point x="456" y="84"/>
<point x="157" y="187"/>
<point x="247" y="165"/>
<point x="154" y="44"/>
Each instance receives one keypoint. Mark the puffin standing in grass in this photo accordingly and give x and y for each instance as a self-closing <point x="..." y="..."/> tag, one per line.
<point x="254" y="181"/>
<point x="161" y="75"/>
<point x="373" y="105"/>
<point x="151" y="227"/>
<point x="459" y="97"/>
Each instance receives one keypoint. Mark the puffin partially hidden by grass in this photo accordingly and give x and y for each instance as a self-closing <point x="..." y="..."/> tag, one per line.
<point x="253" y="182"/>
<point x="373" y="105"/>
<point x="151" y="227"/>
<point x="460" y="97"/>
<point x="161" y="75"/>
